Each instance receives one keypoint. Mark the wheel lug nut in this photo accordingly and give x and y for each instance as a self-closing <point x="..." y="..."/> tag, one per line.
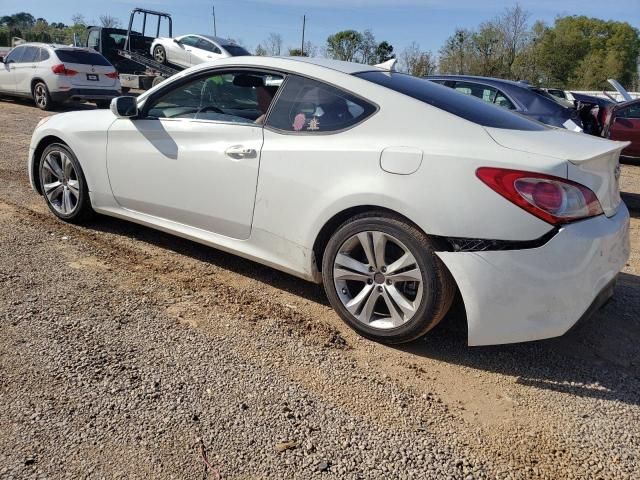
<point x="389" y="282"/>
<point x="380" y="288"/>
<point x="344" y="291"/>
<point x="369" y="281"/>
<point x="371" y="269"/>
<point x="383" y="269"/>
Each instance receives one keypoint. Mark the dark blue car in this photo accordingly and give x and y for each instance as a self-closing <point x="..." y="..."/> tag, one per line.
<point x="517" y="96"/>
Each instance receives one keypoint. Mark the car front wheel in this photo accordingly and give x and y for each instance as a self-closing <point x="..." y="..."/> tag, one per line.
<point x="159" y="54"/>
<point x="63" y="184"/>
<point x="382" y="276"/>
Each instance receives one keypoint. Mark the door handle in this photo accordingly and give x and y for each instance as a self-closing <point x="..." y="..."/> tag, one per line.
<point x="238" y="152"/>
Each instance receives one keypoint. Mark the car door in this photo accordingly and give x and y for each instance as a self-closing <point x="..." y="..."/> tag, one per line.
<point x="25" y="69"/>
<point x="192" y="155"/>
<point x="180" y="53"/>
<point x="204" y="51"/>
<point x="625" y="126"/>
<point x="7" y="72"/>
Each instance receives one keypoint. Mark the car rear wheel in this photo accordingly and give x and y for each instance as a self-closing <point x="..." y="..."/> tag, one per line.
<point x="382" y="276"/>
<point x="41" y="96"/>
<point x="63" y="184"/>
<point x="159" y="54"/>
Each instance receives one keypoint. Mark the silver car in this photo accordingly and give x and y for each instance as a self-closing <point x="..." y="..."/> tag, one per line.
<point x="55" y="73"/>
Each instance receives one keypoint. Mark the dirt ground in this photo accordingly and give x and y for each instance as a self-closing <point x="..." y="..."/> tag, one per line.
<point x="125" y="352"/>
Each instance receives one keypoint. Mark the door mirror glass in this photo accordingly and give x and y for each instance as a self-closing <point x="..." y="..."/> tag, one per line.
<point x="124" y="107"/>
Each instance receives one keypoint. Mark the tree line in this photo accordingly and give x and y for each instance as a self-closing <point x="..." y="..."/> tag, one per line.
<point x="574" y="52"/>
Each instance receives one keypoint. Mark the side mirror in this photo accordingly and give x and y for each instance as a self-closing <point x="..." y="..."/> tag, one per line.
<point x="175" y="40"/>
<point x="124" y="107"/>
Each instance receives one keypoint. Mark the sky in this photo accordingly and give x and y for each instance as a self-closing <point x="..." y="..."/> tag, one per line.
<point x="400" y="22"/>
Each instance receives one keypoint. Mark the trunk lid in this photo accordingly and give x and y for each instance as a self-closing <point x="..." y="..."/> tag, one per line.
<point x="91" y="66"/>
<point x="591" y="161"/>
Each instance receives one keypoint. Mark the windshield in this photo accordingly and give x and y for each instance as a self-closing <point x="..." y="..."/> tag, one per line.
<point x="236" y="50"/>
<point x="447" y="99"/>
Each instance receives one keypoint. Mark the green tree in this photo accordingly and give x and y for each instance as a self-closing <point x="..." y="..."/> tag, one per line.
<point x="344" y="45"/>
<point x="384" y="52"/>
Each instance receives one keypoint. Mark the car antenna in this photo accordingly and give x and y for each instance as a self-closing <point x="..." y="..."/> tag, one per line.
<point x="389" y="65"/>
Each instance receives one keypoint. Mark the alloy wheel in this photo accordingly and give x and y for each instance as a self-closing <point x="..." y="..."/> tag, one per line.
<point x="159" y="54"/>
<point x="378" y="280"/>
<point x="60" y="182"/>
<point x="40" y="95"/>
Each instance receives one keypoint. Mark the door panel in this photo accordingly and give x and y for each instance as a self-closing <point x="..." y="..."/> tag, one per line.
<point x="626" y="127"/>
<point x="24" y="70"/>
<point x="187" y="171"/>
<point x="7" y="81"/>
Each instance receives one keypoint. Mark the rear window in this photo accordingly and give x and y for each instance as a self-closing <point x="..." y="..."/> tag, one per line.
<point x="236" y="50"/>
<point x="81" y="56"/>
<point x="447" y="99"/>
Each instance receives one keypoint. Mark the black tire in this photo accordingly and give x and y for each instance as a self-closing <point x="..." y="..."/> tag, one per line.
<point x="41" y="96"/>
<point x="438" y="286"/>
<point x="160" y="54"/>
<point x="157" y="81"/>
<point x="103" y="104"/>
<point x="82" y="211"/>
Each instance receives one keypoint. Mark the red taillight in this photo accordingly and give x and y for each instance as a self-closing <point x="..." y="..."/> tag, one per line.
<point x="60" y="69"/>
<point x="113" y="75"/>
<point x="553" y="199"/>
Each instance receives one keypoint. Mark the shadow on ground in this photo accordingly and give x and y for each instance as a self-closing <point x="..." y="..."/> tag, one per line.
<point x="599" y="358"/>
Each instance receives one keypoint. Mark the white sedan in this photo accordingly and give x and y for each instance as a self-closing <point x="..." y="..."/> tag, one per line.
<point x="189" y="50"/>
<point x="393" y="191"/>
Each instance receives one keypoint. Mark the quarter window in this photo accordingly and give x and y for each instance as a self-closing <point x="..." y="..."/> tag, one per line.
<point x="44" y="55"/>
<point x="310" y="106"/>
<point x="236" y="97"/>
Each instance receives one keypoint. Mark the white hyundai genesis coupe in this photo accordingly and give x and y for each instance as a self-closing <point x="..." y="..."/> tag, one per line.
<point x="393" y="191"/>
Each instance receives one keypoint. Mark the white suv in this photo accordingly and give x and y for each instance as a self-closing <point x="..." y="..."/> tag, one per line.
<point x="56" y="73"/>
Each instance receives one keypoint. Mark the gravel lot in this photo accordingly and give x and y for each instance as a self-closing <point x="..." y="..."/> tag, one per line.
<point x="128" y="353"/>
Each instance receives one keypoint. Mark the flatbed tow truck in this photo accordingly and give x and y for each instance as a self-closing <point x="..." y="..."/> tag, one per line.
<point x="129" y="50"/>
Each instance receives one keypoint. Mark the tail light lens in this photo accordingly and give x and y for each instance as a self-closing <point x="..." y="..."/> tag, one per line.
<point x="552" y="199"/>
<point x="60" y="69"/>
<point x="113" y="75"/>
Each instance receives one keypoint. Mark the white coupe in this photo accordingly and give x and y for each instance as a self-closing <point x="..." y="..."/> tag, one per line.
<point x="393" y="191"/>
<point x="189" y="50"/>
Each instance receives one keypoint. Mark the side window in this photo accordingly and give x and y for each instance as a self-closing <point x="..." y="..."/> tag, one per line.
<point x="632" y="112"/>
<point x="310" y="106"/>
<point x="190" y="41"/>
<point x="44" y="54"/>
<point x="488" y="94"/>
<point x="15" y="55"/>
<point x="237" y="97"/>
<point x="31" y="54"/>
<point x="208" y="46"/>
<point x="94" y="40"/>
<point x="502" y="101"/>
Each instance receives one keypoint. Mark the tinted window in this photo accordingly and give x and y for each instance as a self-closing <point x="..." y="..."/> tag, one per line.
<point x="236" y="50"/>
<point x="94" y="39"/>
<point x="15" y="55"/>
<point x="81" y="56"/>
<point x="309" y="106"/>
<point x="190" y="41"/>
<point x="44" y="55"/>
<point x="238" y="97"/>
<point x="450" y="101"/>
<point x="632" y="111"/>
<point x="31" y="54"/>
<point x="208" y="46"/>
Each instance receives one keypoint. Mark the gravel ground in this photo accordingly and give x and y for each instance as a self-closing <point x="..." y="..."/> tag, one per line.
<point x="128" y="353"/>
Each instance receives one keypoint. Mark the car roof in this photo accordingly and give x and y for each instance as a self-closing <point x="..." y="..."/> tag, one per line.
<point x="487" y="80"/>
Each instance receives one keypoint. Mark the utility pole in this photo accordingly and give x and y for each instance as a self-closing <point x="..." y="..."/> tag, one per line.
<point x="304" y="24"/>
<point x="213" y="11"/>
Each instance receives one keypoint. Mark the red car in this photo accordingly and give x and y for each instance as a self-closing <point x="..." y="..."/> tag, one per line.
<point x="622" y="122"/>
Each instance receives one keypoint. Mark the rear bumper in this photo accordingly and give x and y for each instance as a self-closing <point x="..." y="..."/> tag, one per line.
<point x="90" y="94"/>
<point x="523" y="295"/>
